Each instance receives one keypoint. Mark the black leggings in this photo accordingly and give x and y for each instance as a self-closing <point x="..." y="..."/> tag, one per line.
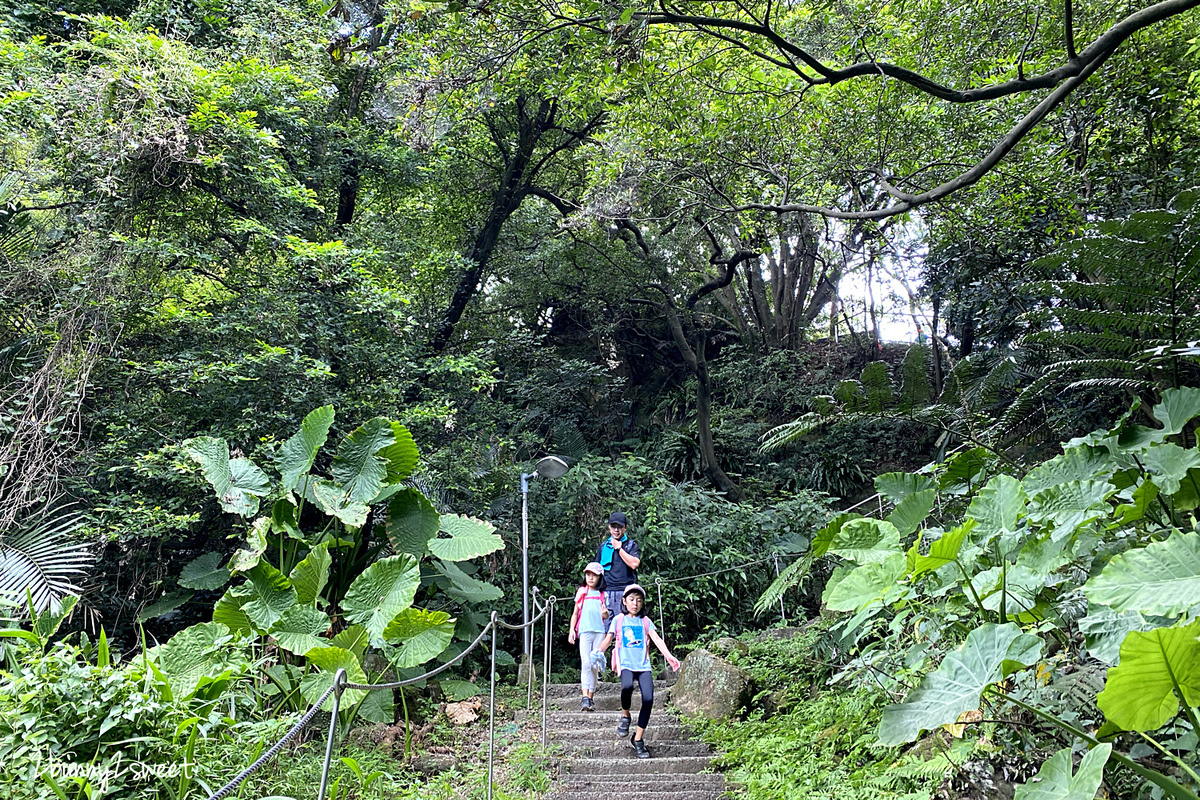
<point x="646" y="683"/>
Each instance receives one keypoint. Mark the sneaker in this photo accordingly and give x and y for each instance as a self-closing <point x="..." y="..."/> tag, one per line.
<point x="639" y="747"/>
<point x="587" y="704"/>
<point x="623" y="726"/>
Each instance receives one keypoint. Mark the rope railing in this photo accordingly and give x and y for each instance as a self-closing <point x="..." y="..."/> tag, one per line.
<point x="341" y="684"/>
<point x="544" y="612"/>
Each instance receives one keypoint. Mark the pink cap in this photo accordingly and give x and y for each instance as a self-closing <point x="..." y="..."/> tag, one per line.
<point x="633" y="587"/>
<point x="595" y="567"/>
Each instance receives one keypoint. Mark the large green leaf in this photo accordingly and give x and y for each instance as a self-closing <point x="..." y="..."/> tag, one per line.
<point x="310" y="575"/>
<point x="378" y="707"/>
<point x="328" y="660"/>
<point x="283" y="519"/>
<point x="990" y="653"/>
<point x="1140" y="694"/>
<point x="1068" y="506"/>
<point x="466" y="589"/>
<point x="204" y="572"/>
<point x="401" y="456"/>
<point x="297" y="454"/>
<point x="896" y="486"/>
<point x="866" y="541"/>
<point x="963" y="471"/>
<point x="872" y="584"/>
<point x="421" y="635"/>
<point x="1161" y="578"/>
<point x="1104" y="630"/>
<point x="358" y="467"/>
<point x="825" y="536"/>
<point x="1140" y="498"/>
<point x="1020" y="587"/>
<point x="942" y="551"/>
<point x="228" y="610"/>
<point x="1054" y="780"/>
<point x="998" y="508"/>
<point x="270" y="595"/>
<point x="908" y="515"/>
<point x="297" y="630"/>
<point x="1177" y="409"/>
<point x="353" y="638"/>
<point x="1169" y="464"/>
<point x="411" y="522"/>
<point x="468" y="538"/>
<point x="238" y="483"/>
<point x="1076" y="464"/>
<point x="382" y="591"/>
<point x="191" y="655"/>
<point x="334" y="501"/>
<point x="248" y="557"/>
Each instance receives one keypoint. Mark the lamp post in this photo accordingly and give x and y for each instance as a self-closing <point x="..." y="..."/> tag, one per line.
<point x="548" y="467"/>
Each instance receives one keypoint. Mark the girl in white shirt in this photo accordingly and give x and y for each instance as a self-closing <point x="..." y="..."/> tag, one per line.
<point x="589" y="623"/>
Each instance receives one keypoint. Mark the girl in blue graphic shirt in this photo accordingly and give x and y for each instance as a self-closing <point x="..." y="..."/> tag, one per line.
<point x="631" y="660"/>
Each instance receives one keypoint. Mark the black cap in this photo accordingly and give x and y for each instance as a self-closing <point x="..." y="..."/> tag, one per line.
<point x="618" y="518"/>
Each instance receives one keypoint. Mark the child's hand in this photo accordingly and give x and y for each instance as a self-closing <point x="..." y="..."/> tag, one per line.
<point x="571" y="637"/>
<point x="604" y="613"/>
<point x="673" y="662"/>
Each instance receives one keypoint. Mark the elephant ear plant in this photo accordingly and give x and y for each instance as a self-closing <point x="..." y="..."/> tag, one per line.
<point x="332" y="564"/>
<point x="1089" y="564"/>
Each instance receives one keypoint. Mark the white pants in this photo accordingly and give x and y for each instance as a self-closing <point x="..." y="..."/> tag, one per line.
<point x="587" y="673"/>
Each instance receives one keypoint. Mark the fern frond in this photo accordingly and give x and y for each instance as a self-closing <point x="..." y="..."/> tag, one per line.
<point x="791" y="431"/>
<point x="788" y="578"/>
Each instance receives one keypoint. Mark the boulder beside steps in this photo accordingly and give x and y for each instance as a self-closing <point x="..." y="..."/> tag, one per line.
<point x="599" y="765"/>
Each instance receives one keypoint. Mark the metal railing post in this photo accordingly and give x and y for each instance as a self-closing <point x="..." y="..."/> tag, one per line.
<point x="528" y="632"/>
<point x="492" y="711"/>
<point x="662" y="628"/>
<point x="782" y="612"/>
<point x="339" y="681"/>
<point x="548" y="625"/>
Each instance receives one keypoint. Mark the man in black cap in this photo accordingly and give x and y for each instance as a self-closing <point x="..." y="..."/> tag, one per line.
<point x="620" y="558"/>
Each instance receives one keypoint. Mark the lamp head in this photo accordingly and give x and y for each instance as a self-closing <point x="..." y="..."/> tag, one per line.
<point x="551" y="467"/>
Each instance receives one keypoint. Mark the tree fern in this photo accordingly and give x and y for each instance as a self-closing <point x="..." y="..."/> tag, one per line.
<point x="1121" y="315"/>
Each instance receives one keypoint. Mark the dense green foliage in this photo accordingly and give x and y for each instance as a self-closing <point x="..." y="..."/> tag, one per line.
<point x="644" y="240"/>
<point x="1086" y="568"/>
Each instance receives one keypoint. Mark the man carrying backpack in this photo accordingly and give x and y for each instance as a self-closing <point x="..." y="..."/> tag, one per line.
<point x="620" y="557"/>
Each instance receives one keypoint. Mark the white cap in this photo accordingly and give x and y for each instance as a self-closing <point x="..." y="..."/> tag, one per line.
<point x="595" y="568"/>
<point x="633" y="587"/>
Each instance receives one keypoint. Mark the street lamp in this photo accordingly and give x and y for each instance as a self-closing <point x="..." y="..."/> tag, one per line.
<point x="548" y="467"/>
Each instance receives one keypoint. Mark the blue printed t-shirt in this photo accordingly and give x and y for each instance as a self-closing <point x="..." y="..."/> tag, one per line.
<point x="590" y="620"/>
<point x="619" y="575"/>
<point x="632" y="636"/>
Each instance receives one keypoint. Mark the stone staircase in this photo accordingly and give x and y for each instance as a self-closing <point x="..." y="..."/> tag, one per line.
<point x="599" y="765"/>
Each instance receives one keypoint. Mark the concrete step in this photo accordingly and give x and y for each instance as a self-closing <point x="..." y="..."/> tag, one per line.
<point x="666" y="732"/>
<point x="623" y="793"/>
<point x="609" y="702"/>
<point x="670" y="765"/>
<point x="650" y="783"/>
<point x="593" y="748"/>
<point x="598" y="719"/>
<point x="612" y="686"/>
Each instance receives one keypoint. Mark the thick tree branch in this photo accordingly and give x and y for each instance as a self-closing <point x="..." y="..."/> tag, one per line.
<point x="1077" y="64"/>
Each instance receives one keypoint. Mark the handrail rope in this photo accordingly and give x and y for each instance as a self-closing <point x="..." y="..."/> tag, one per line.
<point x="370" y="687"/>
<point x="287" y="737"/>
<point x="337" y="686"/>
